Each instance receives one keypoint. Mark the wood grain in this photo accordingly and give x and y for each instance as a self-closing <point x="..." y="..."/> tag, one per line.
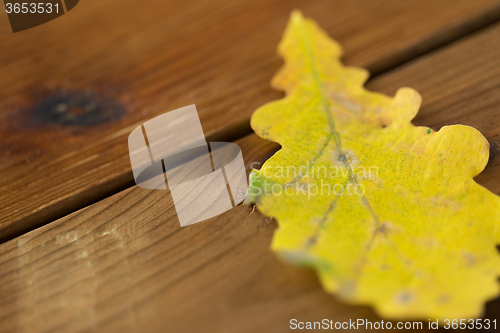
<point x="132" y="61"/>
<point x="125" y="265"/>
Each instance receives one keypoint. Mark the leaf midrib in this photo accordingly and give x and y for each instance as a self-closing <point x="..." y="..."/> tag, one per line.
<point x="306" y="43"/>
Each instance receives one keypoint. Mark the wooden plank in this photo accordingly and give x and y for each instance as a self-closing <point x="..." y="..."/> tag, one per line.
<point x="124" y="264"/>
<point x="135" y="60"/>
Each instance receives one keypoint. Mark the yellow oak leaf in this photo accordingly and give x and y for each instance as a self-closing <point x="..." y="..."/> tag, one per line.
<point x="386" y="212"/>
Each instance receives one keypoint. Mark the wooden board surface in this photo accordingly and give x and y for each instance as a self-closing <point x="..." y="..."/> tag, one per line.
<point x="124" y="264"/>
<point x="135" y="60"/>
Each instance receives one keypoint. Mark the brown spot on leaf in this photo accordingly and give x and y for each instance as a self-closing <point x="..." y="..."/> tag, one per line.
<point x="404" y="297"/>
<point x="443" y="299"/>
<point x="469" y="258"/>
<point x="384" y="122"/>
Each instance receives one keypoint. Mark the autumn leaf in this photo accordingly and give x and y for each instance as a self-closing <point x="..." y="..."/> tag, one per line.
<point x="387" y="213"/>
